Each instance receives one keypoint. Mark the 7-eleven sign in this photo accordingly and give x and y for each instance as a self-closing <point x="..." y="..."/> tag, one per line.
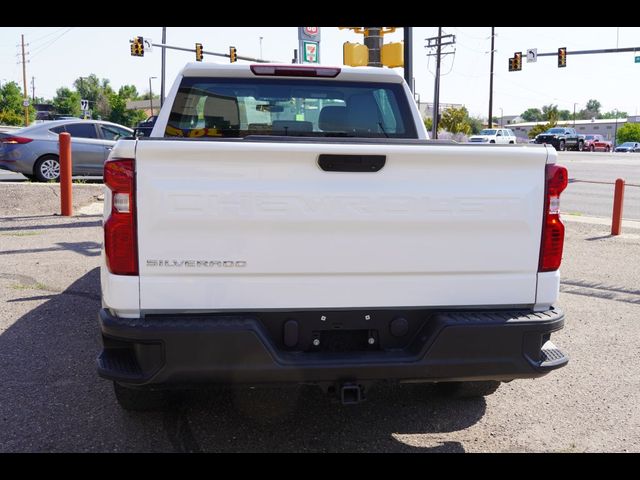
<point x="311" y="52"/>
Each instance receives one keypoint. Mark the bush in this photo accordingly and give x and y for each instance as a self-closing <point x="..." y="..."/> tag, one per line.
<point x="629" y="132"/>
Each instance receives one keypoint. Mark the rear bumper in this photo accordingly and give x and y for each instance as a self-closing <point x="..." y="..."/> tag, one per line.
<point x="245" y="349"/>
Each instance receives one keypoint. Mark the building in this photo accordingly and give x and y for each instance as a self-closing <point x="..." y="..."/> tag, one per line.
<point x="144" y="105"/>
<point x="605" y="127"/>
<point x="426" y="109"/>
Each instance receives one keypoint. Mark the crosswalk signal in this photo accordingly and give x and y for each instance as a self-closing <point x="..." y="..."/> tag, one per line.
<point x="198" y="52"/>
<point x="562" y="57"/>
<point x="233" y="56"/>
<point x="517" y="61"/>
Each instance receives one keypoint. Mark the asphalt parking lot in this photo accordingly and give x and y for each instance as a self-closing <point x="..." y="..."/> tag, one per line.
<point x="53" y="401"/>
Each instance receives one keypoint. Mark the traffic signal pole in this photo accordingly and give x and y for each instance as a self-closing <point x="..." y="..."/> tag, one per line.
<point x="408" y="56"/>
<point x="215" y="54"/>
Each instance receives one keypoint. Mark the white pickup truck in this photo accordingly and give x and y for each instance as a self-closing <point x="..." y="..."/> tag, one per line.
<point x="289" y="224"/>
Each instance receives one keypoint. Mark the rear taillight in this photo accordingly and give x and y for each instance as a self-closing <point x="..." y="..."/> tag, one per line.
<point x="552" y="227"/>
<point x="294" y="71"/>
<point x="16" y="140"/>
<point x="120" y="243"/>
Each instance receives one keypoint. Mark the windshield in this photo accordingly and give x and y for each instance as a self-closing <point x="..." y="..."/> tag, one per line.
<point x="487" y="132"/>
<point x="555" y="130"/>
<point x="627" y="144"/>
<point x="234" y="107"/>
<point x="589" y="137"/>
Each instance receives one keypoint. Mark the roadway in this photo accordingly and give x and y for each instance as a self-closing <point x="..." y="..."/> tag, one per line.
<point x="596" y="199"/>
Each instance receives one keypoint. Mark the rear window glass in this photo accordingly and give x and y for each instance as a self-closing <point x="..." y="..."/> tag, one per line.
<point x="81" y="130"/>
<point x="225" y="107"/>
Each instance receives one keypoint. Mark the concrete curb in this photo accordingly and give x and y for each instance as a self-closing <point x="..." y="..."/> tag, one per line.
<point x="599" y="221"/>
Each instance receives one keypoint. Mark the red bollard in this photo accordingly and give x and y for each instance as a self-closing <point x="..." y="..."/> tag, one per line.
<point x="618" y="198"/>
<point x="66" y="194"/>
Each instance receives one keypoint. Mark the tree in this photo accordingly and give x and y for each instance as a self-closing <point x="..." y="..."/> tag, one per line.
<point x="565" y="115"/>
<point x="532" y="115"/>
<point x="613" y="114"/>
<point x="592" y="110"/>
<point x="67" y="102"/>
<point x="97" y="92"/>
<point x="540" y="128"/>
<point x="455" y="120"/>
<point x="594" y="106"/>
<point x="118" y="103"/>
<point x="550" y="113"/>
<point x="11" y="108"/>
<point x="629" y="132"/>
<point x="428" y="124"/>
<point x="476" y="124"/>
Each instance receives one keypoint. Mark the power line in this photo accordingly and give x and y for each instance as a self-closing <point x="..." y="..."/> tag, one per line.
<point x="47" y="45"/>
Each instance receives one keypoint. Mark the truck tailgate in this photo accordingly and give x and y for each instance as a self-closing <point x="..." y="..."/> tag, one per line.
<point x="259" y="225"/>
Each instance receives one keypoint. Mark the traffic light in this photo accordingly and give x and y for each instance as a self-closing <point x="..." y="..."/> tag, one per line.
<point x="137" y="47"/>
<point x="355" y="54"/>
<point x="392" y="54"/>
<point x="198" y="52"/>
<point x="562" y="57"/>
<point x="517" y="61"/>
<point x="512" y="64"/>
<point x="233" y="56"/>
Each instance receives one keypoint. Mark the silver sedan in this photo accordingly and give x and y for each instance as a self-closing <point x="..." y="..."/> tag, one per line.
<point x="34" y="151"/>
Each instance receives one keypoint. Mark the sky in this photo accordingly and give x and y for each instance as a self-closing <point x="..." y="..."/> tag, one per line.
<point x="59" y="55"/>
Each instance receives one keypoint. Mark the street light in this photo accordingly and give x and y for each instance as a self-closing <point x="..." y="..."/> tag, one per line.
<point x="151" y="96"/>
<point x="501" y="117"/>
<point x="615" y="135"/>
<point x="574" y="115"/>
<point x="261" y="47"/>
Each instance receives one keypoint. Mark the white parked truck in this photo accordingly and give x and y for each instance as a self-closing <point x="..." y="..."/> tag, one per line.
<point x="288" y="224"/>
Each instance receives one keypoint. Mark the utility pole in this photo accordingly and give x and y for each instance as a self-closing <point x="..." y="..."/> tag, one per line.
<point x="24" y="82"/>
<point x="408" y="56"/>
<point x="164" y="59"/>
<point x="437" y="43"/>
<point x="33" y="89"/>
<point x="491" y="78"/>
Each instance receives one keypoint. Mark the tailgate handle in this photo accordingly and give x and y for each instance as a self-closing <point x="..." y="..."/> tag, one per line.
<point x="351" y="163"/>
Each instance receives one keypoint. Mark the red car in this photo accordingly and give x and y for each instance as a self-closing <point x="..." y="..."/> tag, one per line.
<point x="596" y="143"/>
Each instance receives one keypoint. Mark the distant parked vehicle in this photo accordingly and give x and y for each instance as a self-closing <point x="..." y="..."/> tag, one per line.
<point x="494" y="135"/>
<point x="143" y="129"/>
<point x="33" y="151"/>
<point x="562" y="139"/>
<point x="596" y="143"/>
<point x="628" y="147"/>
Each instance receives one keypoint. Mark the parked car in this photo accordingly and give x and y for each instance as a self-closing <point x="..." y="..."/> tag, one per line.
<point x="562" y="139"/>
<point x="494" y="135"/>
<point x="628" y="147"/>
<point x="33" y="151"/>
<point x="143" y="129"/>
<point x="596" y="143"/>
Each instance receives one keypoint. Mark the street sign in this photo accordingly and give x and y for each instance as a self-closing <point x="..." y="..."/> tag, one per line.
<point x="148" y="45"/>
<point x="86" y="113"/>
<point x="84" y="104"/>
<point x="310" y="52"/>
<point x="637" y="59"/>
<point x="532" y="55"/>
<point x="25" y="103"/>
<point x="311" y="30"/>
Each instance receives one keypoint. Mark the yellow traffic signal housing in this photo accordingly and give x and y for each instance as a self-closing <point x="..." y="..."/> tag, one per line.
<point x="355" y="54"/>
<point x="134" y="51"/>
<point x="392" y="54"/>
<point x="140" y="46"/>
<point x="517" y="61"/>
<point x="512" y="64"/>
<point x="233" y="55"/>
<point x="562" y="57"/>
<point x="198" y="52"/>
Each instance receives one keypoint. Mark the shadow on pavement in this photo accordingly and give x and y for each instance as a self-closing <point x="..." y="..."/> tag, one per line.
<point x="53" y="400"/>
